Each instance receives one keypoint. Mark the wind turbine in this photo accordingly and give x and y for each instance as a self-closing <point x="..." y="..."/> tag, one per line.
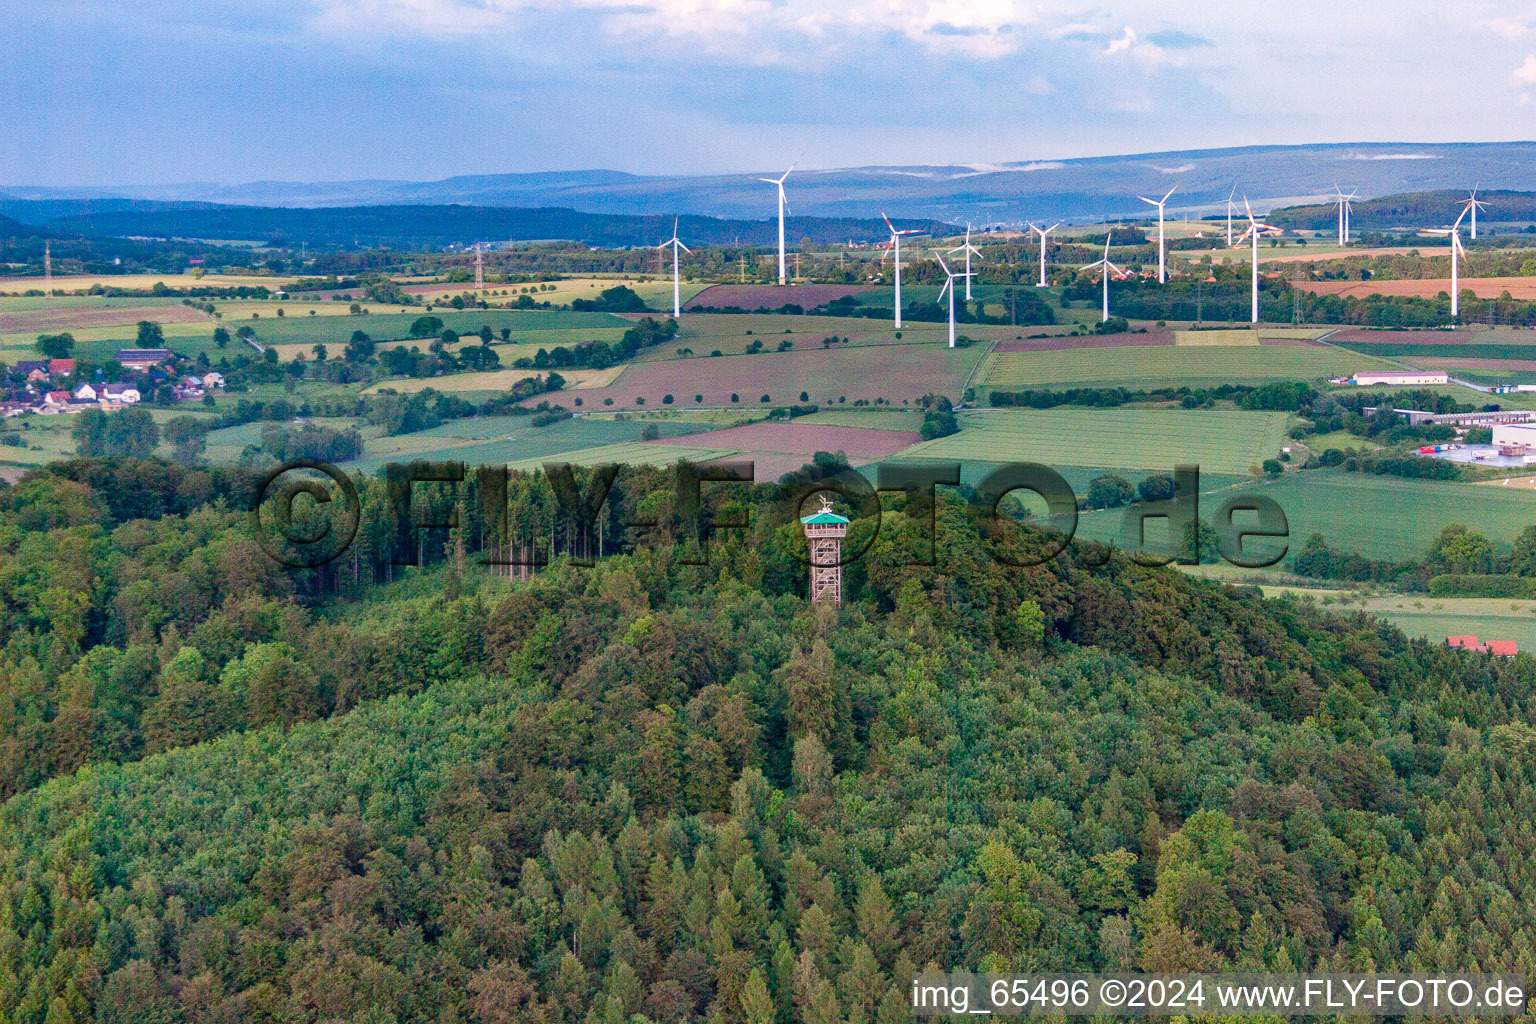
<point x="1456" y="250"/>
<point x="1344" y="203"/>
<point x="949" y="286"/>
<point x="1042" y="235"/>
<point x="967" y="248"/>
<point x="783" y="206"/>
<point x="1162" y="263"/>
<point x="1255" y="229"/>
<point x="1230" y="207"/>
<point x="894" y="245"/>
<point x="1108" y="268"/>
<point x="677" y="294"/>
<point x="1471" y="203"/>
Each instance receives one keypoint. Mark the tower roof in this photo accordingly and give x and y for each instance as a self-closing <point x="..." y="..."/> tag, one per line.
<point x="824" y="514"/>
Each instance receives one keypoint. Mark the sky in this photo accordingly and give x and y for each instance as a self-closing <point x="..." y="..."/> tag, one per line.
<point x="162" y="91"/>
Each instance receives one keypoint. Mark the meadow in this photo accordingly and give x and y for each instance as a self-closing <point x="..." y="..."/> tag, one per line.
<point x="503" y="440"/>
<point x="893" y="373"/>
<point x="1147" y="367"/>
<point x="1226" y="442"/>
<point x="1389" y="517"/>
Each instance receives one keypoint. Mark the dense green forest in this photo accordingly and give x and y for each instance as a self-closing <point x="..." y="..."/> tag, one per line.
<point x="1409" y="210"/>
<point x="653" y="790"/>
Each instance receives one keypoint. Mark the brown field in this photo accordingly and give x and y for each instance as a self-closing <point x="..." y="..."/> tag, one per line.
<point x="1427" y="288"/>
<point x="73" y="319"/>
<point x="767" y="467"/>
<point x="1085" y="341"/>
<point x="772" y="296"/>
<point x="806" y="439"/>
<point x="892" y="372"/>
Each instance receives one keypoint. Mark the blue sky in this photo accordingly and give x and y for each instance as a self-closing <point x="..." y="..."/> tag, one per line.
<point x="154" y="91"/>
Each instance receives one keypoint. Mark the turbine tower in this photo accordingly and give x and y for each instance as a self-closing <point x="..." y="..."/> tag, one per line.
<point x="1344" y="204"/>
<point x="949" y="286"/>
<point x="1230" y="207"/>
<point x="1471" y="203"/>
<point x="1162" y="262"/>
<point x="967" y="248"/>
<point x="894" y="246"/>
<point x="1255" y="229"/>
<point x="1457" y="250"/>
<point x="677" y="294"/>
<point x="783" y="206"/>
<point x="1108" y="269"/>
<point x="1042" y="235"/>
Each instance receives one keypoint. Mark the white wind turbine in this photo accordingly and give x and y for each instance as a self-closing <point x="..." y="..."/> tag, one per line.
<point x="967" y="248"/>
<point x="783" y="206"/>
<point x="949" y="286"/>
<point x="1471" y="203"/>
<point x="1231" y="206"/>
<point x="894" y="246"/>
<point x="677" y="293"/>
<point x="1345" y="205"/>
<point x="1042" y="234"/>
<point x="1162" y="262"/>
<point x="1108" y="269"/>
<point x="1255" y="229"/>
<point x="1457" y="250"/>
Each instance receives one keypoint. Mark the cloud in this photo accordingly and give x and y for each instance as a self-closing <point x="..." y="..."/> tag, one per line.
<point x="1525" y="74"/>
<point x="1174" y="39"/>
<point x="1510" y="28"/>
<point x="1124" y="43"/>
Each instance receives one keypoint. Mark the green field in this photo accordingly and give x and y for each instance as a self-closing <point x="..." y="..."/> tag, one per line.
<point x="1166" y="366"/>
<point x="627" y="453"/>
<point x="1434" y="617"/>
<point x="1388" y="517"/>
<point x="874" y="419"/>
<point x="1156" y="439"/>
<point x="500" y="440"/>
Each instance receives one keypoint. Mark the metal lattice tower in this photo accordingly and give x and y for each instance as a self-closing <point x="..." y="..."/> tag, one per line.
<point x="479" y="268"/>
<point x="47" y="269"/>
<point x="824" y="533"/>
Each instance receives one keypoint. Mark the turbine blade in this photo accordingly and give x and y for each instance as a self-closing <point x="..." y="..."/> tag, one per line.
<point x="685" y="248"/>
<point x="1170" y="192"/>
<point x="1150" y="202"/>
<point x="888" y="222"/>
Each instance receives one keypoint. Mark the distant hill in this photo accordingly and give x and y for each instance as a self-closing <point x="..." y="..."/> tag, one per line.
<point x="1008" y="193"/>
<point x="431" y="226"/>
<point x="1414" y="209"/>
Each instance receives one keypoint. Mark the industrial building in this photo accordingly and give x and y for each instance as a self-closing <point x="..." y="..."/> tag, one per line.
<point x="1400" y="378"/>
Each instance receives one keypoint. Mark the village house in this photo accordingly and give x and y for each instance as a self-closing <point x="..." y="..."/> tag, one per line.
<point x="120" y="392"/>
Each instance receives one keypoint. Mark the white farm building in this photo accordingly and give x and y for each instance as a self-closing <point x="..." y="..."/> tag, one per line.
<point x="1400" y="378"/>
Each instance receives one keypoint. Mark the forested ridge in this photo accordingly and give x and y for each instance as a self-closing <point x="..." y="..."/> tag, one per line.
<point x="238" y="792"/>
